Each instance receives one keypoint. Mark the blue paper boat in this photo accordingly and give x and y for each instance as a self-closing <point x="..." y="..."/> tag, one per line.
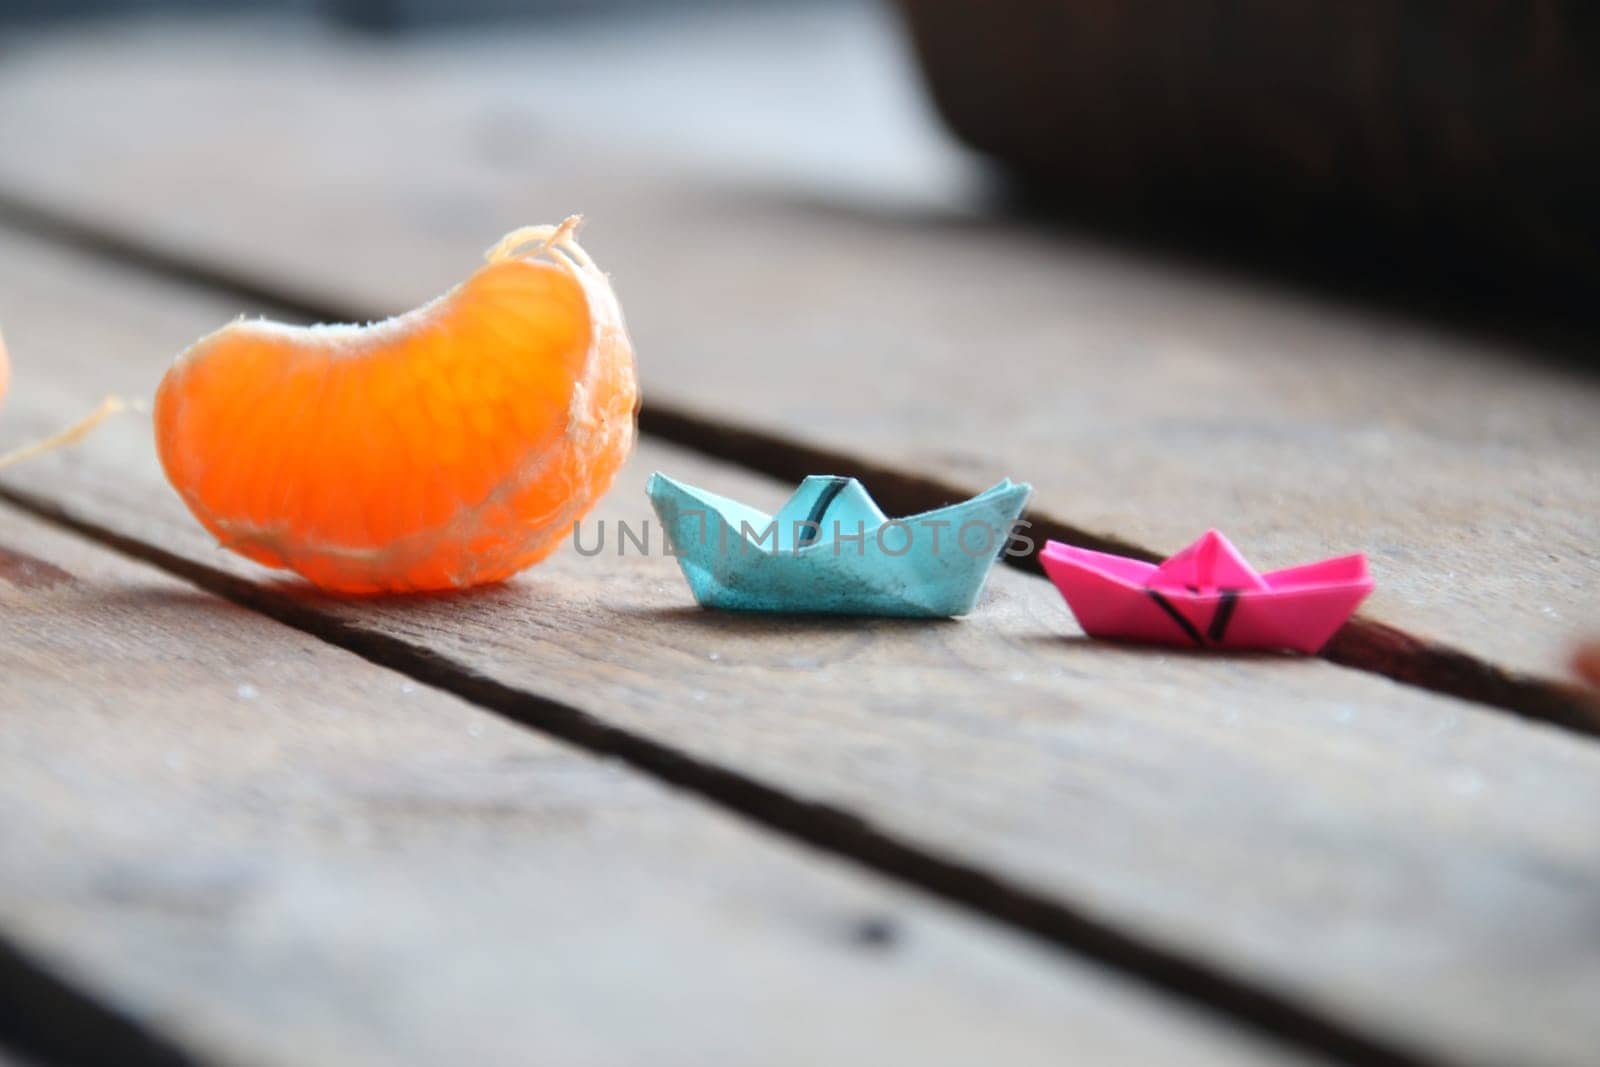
<point x="831" y="551"/>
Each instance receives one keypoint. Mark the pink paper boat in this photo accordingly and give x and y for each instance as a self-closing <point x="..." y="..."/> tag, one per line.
<point x="1207" y="596"/>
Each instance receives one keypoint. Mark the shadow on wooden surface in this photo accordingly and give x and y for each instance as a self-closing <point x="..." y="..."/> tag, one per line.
<point x="1553" y="320"/>
<point x="782" y="627"/>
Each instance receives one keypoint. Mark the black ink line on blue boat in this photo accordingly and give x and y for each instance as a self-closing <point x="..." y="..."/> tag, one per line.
<point x="813" y="523"/>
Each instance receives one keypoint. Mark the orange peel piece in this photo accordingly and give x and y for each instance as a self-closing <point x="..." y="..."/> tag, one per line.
<point x="447" y="447"/>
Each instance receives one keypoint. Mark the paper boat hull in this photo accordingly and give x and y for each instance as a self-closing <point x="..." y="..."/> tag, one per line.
<point x="904" y="573"/>
<point x="1117" y="606"/>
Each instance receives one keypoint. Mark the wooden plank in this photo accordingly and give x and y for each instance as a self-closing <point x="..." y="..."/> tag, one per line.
<point x="1146" y="402"/>
<point x="276" y="852"/>
<point x="1389" y="857"/>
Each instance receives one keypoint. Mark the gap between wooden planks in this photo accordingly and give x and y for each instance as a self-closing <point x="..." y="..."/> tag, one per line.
<point x="1144" y="402"/>
<point x="1316" y="850"/>
<point x="263" y="849"/>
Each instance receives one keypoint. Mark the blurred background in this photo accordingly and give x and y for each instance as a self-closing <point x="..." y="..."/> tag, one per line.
<point x="1438" y="157"/>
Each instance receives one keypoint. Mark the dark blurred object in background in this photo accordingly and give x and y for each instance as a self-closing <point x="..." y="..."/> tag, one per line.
<point x="1451" y="146"/>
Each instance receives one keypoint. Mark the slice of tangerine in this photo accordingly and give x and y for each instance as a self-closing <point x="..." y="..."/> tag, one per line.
<point x="447" y="447"/>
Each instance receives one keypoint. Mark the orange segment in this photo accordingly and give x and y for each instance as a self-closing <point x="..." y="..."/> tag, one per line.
<point x="447" y="447"/>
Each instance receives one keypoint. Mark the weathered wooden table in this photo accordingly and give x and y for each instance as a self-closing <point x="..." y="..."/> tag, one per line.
<point x="575" y="820"/>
